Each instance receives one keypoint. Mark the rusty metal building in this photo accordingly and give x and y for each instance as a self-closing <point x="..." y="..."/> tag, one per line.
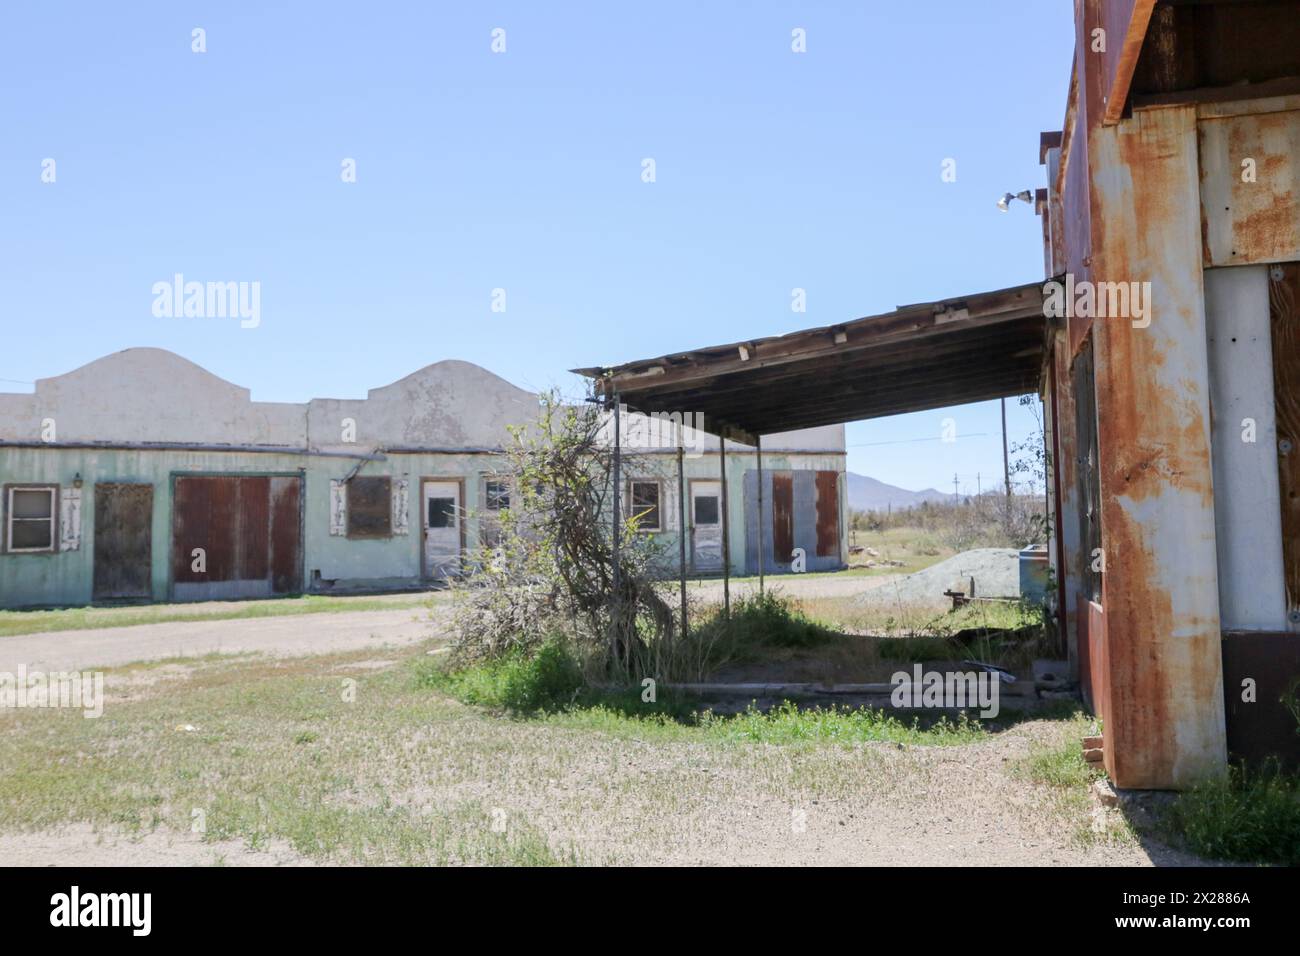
<point x="1174" y="425"/>
<point x="1166" y="347"/>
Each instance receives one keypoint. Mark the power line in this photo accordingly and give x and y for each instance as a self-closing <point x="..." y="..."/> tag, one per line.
<point x="908" y="441"/>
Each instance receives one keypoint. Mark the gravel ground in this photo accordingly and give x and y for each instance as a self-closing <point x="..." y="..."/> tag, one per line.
<point x="996" y="572"/>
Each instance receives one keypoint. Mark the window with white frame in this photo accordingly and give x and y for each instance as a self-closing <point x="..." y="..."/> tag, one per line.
<point x="643" y="504"/>
<point x="31" y="518"/>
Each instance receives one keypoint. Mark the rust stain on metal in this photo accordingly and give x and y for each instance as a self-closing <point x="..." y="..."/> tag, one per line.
<point x="782" y="516"/>
<point x="1250" y="175"/>
<point x="249" y="527"/>
<point x="1157" y="641"/>
<point x="286" y="564"/>
<point x="828" y="514"/>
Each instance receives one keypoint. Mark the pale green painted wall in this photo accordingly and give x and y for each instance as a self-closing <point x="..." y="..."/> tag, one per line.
<point x="66" y="578"/>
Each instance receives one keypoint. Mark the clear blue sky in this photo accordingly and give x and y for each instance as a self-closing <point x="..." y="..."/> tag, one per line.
<point x="520" y="171"/>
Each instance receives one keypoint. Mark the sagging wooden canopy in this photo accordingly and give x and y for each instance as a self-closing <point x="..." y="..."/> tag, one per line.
<point x="919" y="357"/>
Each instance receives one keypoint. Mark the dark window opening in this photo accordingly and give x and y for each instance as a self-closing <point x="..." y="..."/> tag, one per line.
<point x="442" y="512"/>
<point x="706" y="509"/>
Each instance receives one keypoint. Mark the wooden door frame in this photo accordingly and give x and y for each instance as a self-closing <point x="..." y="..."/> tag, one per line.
<point x="424" y="519"/>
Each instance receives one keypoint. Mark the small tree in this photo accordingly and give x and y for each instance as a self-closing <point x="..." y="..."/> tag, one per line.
<point x="553" y="569"/>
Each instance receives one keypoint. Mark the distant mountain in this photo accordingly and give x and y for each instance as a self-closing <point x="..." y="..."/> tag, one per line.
<point x="868" y="494"/>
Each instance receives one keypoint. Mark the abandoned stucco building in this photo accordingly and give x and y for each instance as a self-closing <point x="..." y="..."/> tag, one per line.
<point x="1167" y="352"/>
<point x="141" y="476"/>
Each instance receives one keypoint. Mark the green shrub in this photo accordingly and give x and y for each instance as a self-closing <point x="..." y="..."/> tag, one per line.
<point x="547" y="679"/>
<point x="1245" y="816"/>
<point x="766" y="620"/>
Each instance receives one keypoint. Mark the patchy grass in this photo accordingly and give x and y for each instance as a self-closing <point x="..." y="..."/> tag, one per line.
<point x="788" y="724"/>
<point x="914" y="547"/>
<point x="269" y="751"/>
<point x="548" y="680"/>
<point x="93" y="618"/>
<point x="785" y="725"/>
<point x="342" y="762"/>
<point x="549" y="686"/>
<point x="1250" y="817"/>
<point x="1061" y="769"/>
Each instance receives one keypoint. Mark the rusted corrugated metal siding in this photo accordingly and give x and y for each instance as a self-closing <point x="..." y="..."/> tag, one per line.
<point x="782" y="516"/>
<point x="1076" y="201"/>
<point x="1081" y="606"/>
<point x="252" y="536"/>
<point x="249" y="527"/>
<point x="1250" y="214"/>
<point x="204" y="515"/>
<point x="828" y="514"/>
<point x="286" y="534"/>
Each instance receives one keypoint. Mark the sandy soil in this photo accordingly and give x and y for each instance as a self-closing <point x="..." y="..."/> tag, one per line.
<point x="918" y="806"/>
<point x="80" y="845"/>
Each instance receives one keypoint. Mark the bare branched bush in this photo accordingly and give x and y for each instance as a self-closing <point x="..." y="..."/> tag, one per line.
<point x="552" y="571"/>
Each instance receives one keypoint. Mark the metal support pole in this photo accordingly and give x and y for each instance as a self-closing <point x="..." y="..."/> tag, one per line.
<point x="683" y="530"/>
<point x="726" y="536"/>
<point x="758" y="448"/>
<point x="618" y="478"/>
<point x="1006" y="459"/>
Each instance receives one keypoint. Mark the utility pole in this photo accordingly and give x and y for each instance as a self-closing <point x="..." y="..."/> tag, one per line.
<point x="956" y="498"/>
<point x="1006" y="460"/>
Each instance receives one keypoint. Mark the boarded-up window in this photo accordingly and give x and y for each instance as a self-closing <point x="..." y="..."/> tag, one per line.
<point x="370" y="507"/>
<point x="30" y="517"/>
<point x="828" y="514"/>
<point x="782" y="517"/>
<point x="643" y="505"/>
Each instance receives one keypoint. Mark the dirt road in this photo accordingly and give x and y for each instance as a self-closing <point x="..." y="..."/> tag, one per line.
<point x="287" y="636"/>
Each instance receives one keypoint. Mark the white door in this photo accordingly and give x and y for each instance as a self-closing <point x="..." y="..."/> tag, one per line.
<point x="706" y="525"/>
<point x="442" y="517"/>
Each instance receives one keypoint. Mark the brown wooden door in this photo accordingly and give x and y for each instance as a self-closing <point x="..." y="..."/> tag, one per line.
<point x="249" y="528"/>
<point x="782" y="517"/>
<point x="828" y="514"/>
<point x="123" y="541"/>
